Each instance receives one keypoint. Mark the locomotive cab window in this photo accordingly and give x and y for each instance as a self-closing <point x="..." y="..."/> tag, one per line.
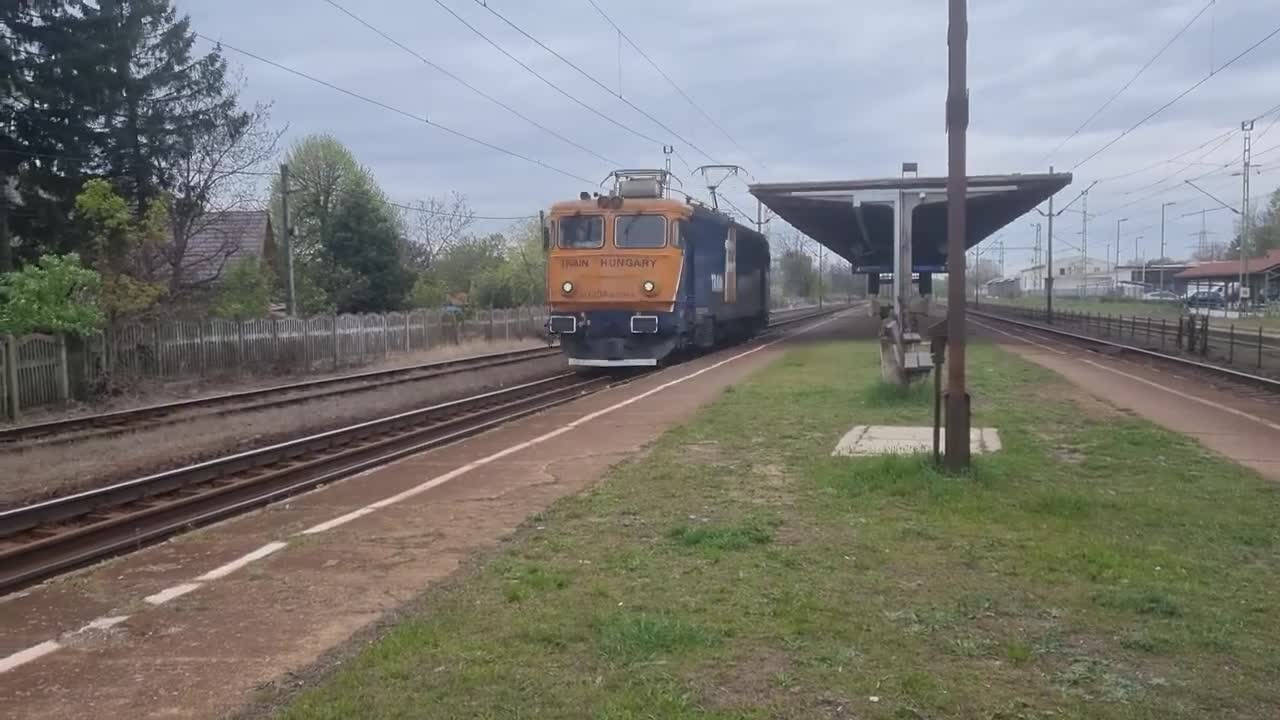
<point x="640" y="231"/>
<point x="582" y="232"/>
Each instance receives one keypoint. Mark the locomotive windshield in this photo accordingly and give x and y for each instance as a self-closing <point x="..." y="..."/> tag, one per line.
<point x="582" y="232"/>
<point x="640" y="231"/>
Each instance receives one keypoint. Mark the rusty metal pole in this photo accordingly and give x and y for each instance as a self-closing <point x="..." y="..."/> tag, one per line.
<point x="957" y="443"/>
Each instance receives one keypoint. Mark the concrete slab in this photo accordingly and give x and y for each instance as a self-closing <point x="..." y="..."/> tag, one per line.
<point x="871" y="440"/>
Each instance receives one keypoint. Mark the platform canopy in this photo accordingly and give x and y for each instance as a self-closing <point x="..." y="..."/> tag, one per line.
<point x="855" y="218"/>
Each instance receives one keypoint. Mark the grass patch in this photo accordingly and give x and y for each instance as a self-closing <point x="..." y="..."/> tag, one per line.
<point x="881" y="394"/>
<point x="724" y="537"/>
<point x="738" y="571"/>
<point x="636" y="636"/>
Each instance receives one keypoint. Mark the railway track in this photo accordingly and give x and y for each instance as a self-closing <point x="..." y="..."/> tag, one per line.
<point x="1258" y="385"/>
<point x="82" y="427"/>
<point x="48" y="538"/>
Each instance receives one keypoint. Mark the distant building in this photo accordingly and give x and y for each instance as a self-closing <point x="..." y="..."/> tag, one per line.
<point x="1071" y="276"/>
<point x="222" y="239"/>
<point x="1262" y="274"/>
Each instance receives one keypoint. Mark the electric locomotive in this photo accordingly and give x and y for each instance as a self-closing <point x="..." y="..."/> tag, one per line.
<point x="634" y="277"/>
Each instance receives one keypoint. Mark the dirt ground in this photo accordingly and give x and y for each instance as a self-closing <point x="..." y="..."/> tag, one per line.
<point x="47" y="471"/>
<point x="206" y="653"/>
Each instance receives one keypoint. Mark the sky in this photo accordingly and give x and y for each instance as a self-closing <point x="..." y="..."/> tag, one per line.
<point x="791" y="90"/>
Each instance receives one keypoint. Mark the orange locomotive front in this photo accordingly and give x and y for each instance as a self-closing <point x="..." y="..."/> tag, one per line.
<point x="633" y="277"/>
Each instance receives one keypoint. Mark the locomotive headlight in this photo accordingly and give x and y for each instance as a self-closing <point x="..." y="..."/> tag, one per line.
<point x="566" y="287"/>
<point x="649" y="287"/>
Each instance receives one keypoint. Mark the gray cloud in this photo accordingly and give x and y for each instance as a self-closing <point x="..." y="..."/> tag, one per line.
<point x="812" y="89"/>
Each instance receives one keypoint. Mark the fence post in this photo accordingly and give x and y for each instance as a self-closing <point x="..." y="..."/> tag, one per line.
<point x="239" y="347"/>
<point x="200" y="338"/>
<point x="488" y="335"/>
<point x="1231" y="345"/>
<point x="1164" y="332"/>
<point x="426" y="332"/>
<point x="11" y="371"/>
<point x="335" y="342"/>
<point x="64" y="381"/>
<point x="1259" y="347"/>
<point x="1204" y="337"/>
<point x="407" y="316"/>
<point x="306" y="343"/>
<point x="386" y="339"/>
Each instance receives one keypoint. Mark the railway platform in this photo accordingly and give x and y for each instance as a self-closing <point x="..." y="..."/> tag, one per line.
<point x="209" y="616"/>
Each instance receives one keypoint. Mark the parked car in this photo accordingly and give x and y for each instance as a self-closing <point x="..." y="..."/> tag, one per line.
<point x="1210" y="299"/>
<point x="1162" y="295"/>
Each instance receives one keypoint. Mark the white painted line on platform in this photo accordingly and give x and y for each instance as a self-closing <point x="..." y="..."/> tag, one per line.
<point x="243" y="560"/>
<point x="104" y="623"/>
<point x="340" y="520"/>
<point x="168" y="594"/>
<point x="23" y="657"/>
<point x="568" y="427"/>
<point x="1185" y="396"/>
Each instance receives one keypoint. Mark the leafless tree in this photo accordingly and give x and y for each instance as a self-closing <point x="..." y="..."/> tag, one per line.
<point x="224" y="171"/>
<point x="437" y="224"/>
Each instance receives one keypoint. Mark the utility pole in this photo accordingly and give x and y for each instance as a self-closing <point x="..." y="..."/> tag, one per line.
<point x="957" y="395"/>
<point x="6" y="240"/>
<point x="1037" y="253"/>
<point x="1048" y="283"/>
<point x="820" y="259"/>
<point x="286" y="231"/>
<point x="666" y="149"/>
<point x="1162" y="255"/>
<point x="1084" y="247"/>
<point x="1117" y="268"/>
<point x="1247" y="127"/>
<point x="759" y="215"/>
<point x="1001" y="250"/>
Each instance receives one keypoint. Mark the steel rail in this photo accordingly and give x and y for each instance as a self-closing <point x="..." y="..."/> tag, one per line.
<point x="47" y="538"/>
<point x="133" y="419"/>
<point x="1236" y="375"/>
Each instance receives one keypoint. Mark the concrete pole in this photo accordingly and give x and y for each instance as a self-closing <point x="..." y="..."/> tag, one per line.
<point x="1247" y="127"/>
<point x="288" y="236"/>
<point x="1048" y="282"/>
<point x="957" y="446"/>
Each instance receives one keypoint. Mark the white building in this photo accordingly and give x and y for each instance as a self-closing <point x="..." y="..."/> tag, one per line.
<point x="1073" y="275"/>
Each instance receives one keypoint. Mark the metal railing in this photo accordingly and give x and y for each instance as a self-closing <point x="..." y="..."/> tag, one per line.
<point x="1236" y="346"/>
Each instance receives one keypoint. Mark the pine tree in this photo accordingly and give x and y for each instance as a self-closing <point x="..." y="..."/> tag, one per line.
<point x="157" y="95"/>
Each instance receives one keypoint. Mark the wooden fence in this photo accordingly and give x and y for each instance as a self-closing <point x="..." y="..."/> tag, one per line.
<point x="33" y="372"/>
<point x="34" y="369"/>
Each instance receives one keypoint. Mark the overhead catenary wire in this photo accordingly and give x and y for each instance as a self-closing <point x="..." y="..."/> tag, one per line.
<point x="547" y="82"/>
<point x="666" y="128"/>
<point x="1146" y="66"/>
<point x="260" y="173"/>
<point x="396" y="110"/>
<point x="465" y="216"/>
<point x="1177" y="98"/>
<point x="453" y="76"/>
<point x="622" y="33"/>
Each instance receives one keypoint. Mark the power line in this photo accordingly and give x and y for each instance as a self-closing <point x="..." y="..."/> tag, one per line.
<point x="592" y="78"/>
<point x="74" y="158"/>
<point x="398" y="111"/>
<point x="468" y="85"/>
<point x="254" y="173"/>
<point x="549" y="83"/>
<point x="671" y="82"/>
<point x="1146" y="66"/>
<point x="1178" y="97"/>
<point x="465" y="216"/>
